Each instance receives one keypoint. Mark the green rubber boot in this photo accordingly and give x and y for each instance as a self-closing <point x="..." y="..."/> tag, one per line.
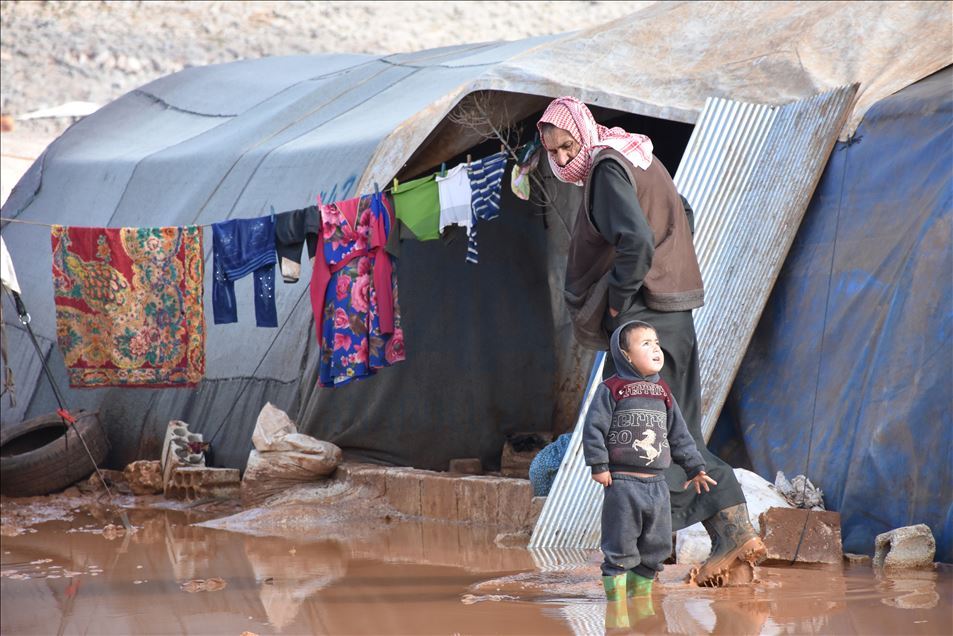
<point x="615" y="587"/>
<point x="639" y="589"/>
<point x="617" y="614"/>
<point x="637" y="585"/>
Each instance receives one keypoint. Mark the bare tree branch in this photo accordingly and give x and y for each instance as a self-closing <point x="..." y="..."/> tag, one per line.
<point x="487" y="118"/>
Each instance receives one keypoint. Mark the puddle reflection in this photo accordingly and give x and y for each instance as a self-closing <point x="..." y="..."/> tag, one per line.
<point x="289" y="574"/>
<point x="67" y="577"/>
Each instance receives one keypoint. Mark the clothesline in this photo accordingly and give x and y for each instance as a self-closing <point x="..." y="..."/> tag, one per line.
<point x="6" y="219"/>
<point x="104" y="277"/>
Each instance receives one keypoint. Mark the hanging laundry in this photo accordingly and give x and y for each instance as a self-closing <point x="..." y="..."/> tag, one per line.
<point x="519" y="178"/>
<point x="292" y="229"/>
<point x="485" y="177"/>
<point x="417" y="204"/>
<point x="241" y="247"/>
<point x="455" y="197"/>
<point x="129" y="306"/>
<point x="354" y="292"/>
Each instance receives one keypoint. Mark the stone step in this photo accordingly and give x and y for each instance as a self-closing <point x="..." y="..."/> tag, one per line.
<point x="507" y="503"/>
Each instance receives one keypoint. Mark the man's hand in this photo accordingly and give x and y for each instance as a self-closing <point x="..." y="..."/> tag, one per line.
<point x="603" y="478"/>
<point x="701" y="480"/>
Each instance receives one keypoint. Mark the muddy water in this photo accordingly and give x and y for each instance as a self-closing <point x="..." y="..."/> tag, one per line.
<point x="413" y="578"/>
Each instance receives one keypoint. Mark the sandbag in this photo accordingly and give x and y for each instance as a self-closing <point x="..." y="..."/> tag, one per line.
<point x="299" y="442"/>
<point x="272" y="425"/>
<point x="271" y="472"/>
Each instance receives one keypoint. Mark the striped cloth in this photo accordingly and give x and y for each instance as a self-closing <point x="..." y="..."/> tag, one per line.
<point x="485" y="177"/>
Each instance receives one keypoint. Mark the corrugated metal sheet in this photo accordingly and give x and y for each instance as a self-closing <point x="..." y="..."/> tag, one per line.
<point x="749" y="172"/>
<point x="560" y="559"/>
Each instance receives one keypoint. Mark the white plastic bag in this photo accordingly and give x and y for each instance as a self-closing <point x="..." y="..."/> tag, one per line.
<point x="272" y="425"/>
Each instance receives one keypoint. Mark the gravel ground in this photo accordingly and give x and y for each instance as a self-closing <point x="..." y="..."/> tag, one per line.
<point x="56" y="52"/>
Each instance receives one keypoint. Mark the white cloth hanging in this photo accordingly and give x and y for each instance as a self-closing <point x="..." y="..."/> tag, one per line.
<point x="8" y="277"/>
<point x="455" y="196"/>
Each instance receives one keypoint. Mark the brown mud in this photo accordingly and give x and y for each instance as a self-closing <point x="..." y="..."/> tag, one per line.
<point x="61" y="574"/>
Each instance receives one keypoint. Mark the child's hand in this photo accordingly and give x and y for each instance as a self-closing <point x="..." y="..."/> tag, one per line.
<point x="701" y="480"/>
<point x="603" y="478"/>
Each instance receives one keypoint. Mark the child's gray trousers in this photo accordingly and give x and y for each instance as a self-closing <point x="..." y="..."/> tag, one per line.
<point x="636" y="525"/>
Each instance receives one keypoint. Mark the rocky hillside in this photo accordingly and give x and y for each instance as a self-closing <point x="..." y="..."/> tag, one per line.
<point x="57" y="52"/>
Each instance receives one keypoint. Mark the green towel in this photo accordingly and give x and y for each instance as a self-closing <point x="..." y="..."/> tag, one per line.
<point x="417" y="205"/>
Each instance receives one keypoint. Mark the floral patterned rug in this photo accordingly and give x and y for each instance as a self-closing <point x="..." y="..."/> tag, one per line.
<point x="129" y="305"/>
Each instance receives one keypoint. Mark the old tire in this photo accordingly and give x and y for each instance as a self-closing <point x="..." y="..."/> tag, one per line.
<point x="37" y="456"/>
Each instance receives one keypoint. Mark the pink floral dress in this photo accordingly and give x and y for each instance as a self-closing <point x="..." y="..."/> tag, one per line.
<point x="354" y="292"/>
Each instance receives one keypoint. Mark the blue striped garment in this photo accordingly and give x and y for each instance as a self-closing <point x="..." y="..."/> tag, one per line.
<point x="485" y="177"/>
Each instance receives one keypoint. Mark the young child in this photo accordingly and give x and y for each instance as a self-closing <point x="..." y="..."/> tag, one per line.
<point x="633" y="430"/>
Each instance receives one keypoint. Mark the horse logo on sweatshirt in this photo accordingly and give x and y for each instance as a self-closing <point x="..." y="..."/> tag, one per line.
<point x="647" y="444"/>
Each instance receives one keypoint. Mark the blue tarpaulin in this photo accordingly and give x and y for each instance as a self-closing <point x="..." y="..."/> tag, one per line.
<point x="848" y="377"/>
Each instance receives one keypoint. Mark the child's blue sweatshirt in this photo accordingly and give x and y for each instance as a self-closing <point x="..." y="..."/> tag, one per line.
<point x="634" y="424"/>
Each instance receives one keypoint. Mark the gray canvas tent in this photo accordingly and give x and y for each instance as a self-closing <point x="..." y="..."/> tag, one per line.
<point x="489" y="349"/>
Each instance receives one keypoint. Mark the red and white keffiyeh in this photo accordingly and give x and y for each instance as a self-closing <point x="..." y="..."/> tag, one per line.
<point x="572" y="115"/>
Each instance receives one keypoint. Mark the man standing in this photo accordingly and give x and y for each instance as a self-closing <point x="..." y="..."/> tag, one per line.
<point x="631" y="257"/>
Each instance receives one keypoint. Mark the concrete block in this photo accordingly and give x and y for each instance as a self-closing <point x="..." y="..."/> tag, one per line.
<point x="200" y="482"/>
<point x="515" y="500"/>
<point x="369" y="475"/>
<point x="438" y="499"/>
<point x="470" y="466"/>
<point x="180" y="448"/>
<point x="403" y="491"/>
<point x="906" y="547"/>
<point x="782" y="528"/>
<point x="477" y="499"/>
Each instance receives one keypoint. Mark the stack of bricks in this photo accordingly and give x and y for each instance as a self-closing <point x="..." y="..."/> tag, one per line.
<point x="184" y="473"/>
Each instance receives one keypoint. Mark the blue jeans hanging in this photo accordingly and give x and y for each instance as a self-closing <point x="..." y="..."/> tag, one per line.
<point x="240" y="247"/>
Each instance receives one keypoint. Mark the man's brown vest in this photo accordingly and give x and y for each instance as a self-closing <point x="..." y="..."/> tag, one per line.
<point x="673" y="283"/>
